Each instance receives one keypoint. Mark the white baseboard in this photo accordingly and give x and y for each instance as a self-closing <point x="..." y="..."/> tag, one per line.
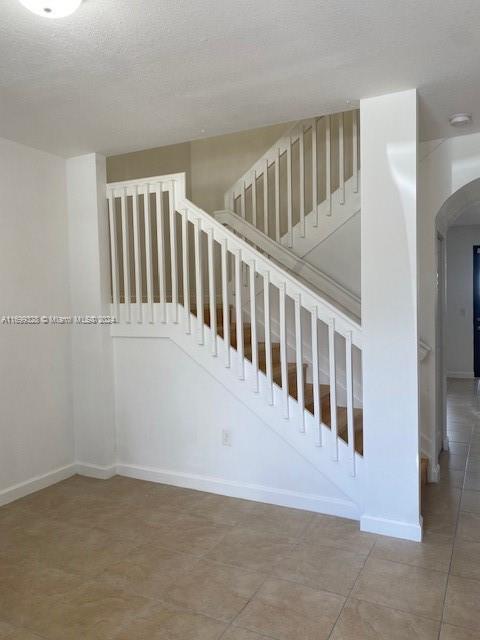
<point x="35" y="484"/>
<point x="405" y="530"/>
<point x="95" y="471"/>
<point x="467" y="375"/>
<point x="258" y="493"/>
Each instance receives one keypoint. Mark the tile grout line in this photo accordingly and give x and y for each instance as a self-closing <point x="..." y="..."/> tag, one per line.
<point x="267" y="577"/>
<point x="231" y="625"/>
<point x="347" y="597"/>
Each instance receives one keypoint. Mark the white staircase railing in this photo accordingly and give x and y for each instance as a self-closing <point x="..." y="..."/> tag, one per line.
<point x="170" y="258"/>
<point x="300" y="178"/>
<point x="336" y="293"/>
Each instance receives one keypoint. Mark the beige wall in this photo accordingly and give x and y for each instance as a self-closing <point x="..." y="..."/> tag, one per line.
<point x="211" y="165"/>
<point x="150" y="162"/>
<point x="216" y="163"/>
<point x="36" y="432"/>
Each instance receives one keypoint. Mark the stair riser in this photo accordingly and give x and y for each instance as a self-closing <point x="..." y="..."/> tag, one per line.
<point x="324" y="392"/>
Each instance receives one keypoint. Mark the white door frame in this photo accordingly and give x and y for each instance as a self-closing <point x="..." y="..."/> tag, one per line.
<point x="441" y="440"/>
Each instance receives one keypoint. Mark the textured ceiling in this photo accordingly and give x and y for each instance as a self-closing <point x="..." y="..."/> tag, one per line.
<point x="121" y="75"/>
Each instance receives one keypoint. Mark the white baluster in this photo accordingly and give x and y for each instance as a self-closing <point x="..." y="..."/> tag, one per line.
<point x="212" y="294"/>
<point x="317" y="409"/>
<point x="199" y="280"/>
<point x="114" y="255"/>
<point x="277" y="196"/>
<point x="126" y="256"/>
<point x="242" y="201"/>
<point x="302" y="182"/>
<point x="289" y="195"/>
<point x="161" y="249"/>
<point x="265" y="199"/>
<point x="186" y="272"/>
<point x="355" y="151"/>
<point x="253" y="323"/>
<point x="283" y="349"/>
<point x="225" y="303"/>
<point x="268" y="338"/>
<point x="239" y="314"/>
<point x="173" y="251"/>
<point x="254" y="198"/>
<point x="333" y="388"/>
<point x="148" y="250"/>
<point x="314" y="174"/>
<point x="350" y="416"/>
<point x="299" y="352"/>
<point x="137" y="256"/>
<point x="328" y="179"/>
<point x="341" y="162"/>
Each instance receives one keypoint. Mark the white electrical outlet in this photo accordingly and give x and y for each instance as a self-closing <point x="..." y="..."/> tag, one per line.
<point x="226" y="438"/>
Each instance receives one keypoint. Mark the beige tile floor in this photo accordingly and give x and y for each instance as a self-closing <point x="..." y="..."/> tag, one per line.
<point x="125" y="560"/>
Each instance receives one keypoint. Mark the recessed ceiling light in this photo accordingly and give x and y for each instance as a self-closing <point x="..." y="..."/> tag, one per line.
<point x="460" y="119"/>
<point x="52" y="8"/>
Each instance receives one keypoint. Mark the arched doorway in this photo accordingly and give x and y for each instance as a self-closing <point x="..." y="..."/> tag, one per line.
<point x="465" y="199"/>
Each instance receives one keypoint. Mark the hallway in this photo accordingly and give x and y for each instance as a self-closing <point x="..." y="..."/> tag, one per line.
<point x="451" y="511"/>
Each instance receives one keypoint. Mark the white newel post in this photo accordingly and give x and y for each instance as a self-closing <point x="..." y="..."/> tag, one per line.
<point x="389" y="314"/>
<point x="92" y="355"/>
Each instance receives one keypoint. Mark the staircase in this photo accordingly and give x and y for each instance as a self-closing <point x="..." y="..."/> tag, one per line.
<point x="313" y="167"/>
<point x="285" y="350"/>
<point x="240" y="292"/>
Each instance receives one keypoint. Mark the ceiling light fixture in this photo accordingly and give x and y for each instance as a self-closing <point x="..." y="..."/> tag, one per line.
<point x="460" y="119"/>
<point x="52" y="8"/>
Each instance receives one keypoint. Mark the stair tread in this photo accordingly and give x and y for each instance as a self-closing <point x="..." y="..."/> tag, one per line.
<point x="324" y="389"/>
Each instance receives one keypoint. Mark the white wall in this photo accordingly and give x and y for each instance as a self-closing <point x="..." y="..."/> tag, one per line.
<point x="389" y="313"/>
<point x="92" y="351"/>
<point x="36" y="435"/>
<point x="339" y="255"/>
<point x="170" y="413"/>
<point x="445" y="167"/>
<point x="460" y="242"/>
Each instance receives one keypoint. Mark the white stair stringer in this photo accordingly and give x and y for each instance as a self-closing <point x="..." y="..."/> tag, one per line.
<point x="340" y="296"/>
<point x="337" y="471"/>
<point x="328" y="220"/>
<point x="327" y="286"/>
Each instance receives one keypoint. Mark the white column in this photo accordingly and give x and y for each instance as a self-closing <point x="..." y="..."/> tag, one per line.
<point x="389" y="314"/>
<point x="92" y="354"/>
